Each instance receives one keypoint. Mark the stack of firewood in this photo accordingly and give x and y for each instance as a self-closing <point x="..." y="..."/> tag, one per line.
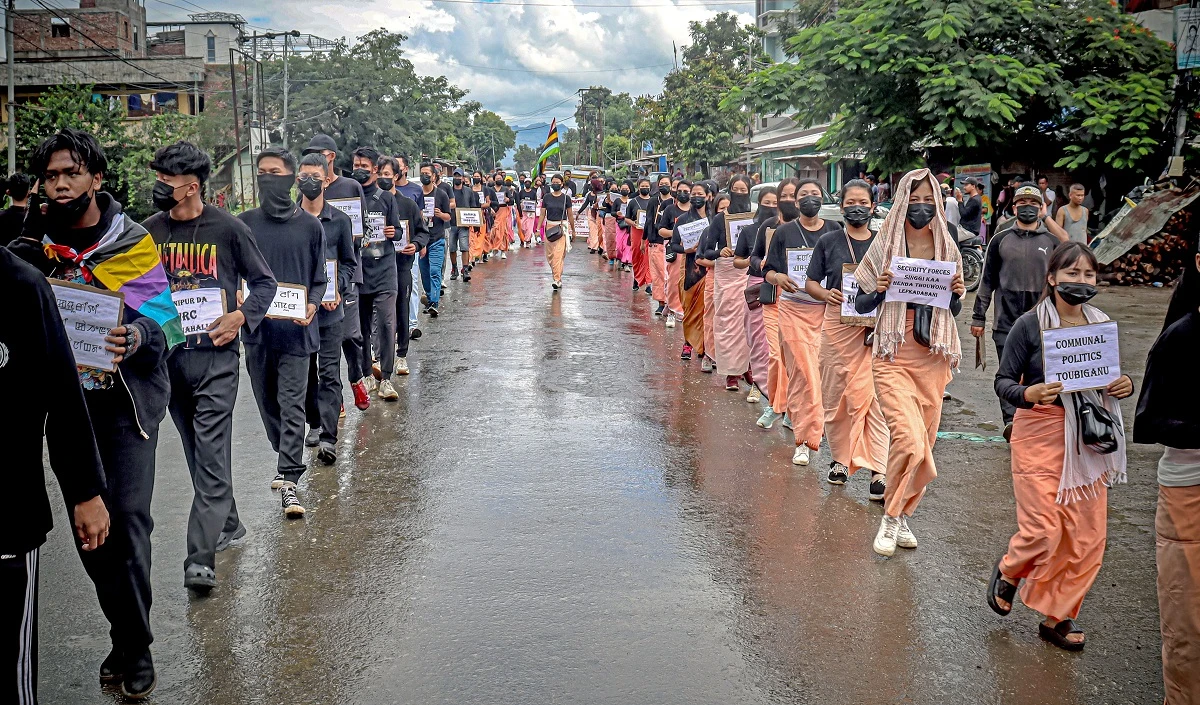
<point x="1158" y="260"/>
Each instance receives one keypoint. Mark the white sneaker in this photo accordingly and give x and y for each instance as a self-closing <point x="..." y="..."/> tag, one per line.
<point x="369" y="383"/>
<point x="402" y="365"/>
<point x="503" y="255"/>
<point x="706" y="365"/>
<point x="905" y="537"/>
<point x="387" y="392"/>
<point x="800" y="457"/>
<point x="670" y="320"/>
<point x="885" y="540"/>
<point x="768" y="418"/>
<point x="754" y="396"/>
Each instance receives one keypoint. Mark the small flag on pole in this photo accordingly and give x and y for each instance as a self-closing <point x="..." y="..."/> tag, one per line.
<point x="549" y="148"/>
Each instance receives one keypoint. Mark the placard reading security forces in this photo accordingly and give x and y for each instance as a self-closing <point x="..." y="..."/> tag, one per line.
<point x="921" y="281"/>
<point x="1082" y="357"/>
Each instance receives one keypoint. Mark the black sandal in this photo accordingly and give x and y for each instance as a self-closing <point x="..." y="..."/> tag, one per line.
<point x="1000" y="588"/>
<point x="1057" y="635"/>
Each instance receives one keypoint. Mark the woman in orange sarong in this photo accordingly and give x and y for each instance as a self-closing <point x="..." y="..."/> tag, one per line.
<point x="854" y="425"/>
<point x="756" y="329"/>
<point x="670" y="210"/>
<point x="656" y="249"/>
<point x="685" y="240"/>
<point x="910" y="374"/>
<point x="636" y="212"/>
<point x="800" y="315"/>
<point x="777" y="376"/>
<point x="479" y="236"/>
<point x="731" y="346"/>
<point x="1060" y="483"/>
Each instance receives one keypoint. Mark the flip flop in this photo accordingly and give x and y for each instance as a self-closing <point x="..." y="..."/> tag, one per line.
<point x="1002" y="589"/>
<point x="1057" y="635"/>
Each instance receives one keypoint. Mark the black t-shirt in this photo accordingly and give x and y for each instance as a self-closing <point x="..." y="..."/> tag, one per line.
<point x="523" y="196"/>
<point x="668" y="215"/>
<point x="11" y="220"/>
<point x="638" y="203"/>
<point x="214" y="251"/>
<point x="409" y="214"/>
<point x="339" y="245"/>
<point x="379" y="257"/>
<point x="556" y="207"/>
<point x="465" y="198"/>
<point x="831" y="253"/>
<point x="441" y="202"/>
<point x="446" y="188"/>
<point x="792" y="235"/>
<point x="294" y="249"/>
<point x="971" y="214"/>
<point x="749" y="241"/>
<point x="504" y="193"/>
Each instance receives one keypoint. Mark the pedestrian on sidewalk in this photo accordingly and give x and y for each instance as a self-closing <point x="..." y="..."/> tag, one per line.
<point x="1060" y="483"/>
<point x="911" y="365"/>
<point x="1166" y="414"/>
<point x="277" y="352"/>
<point x="37" y="367"/>
<point x="206" y="251"/>
<point x="756" y="329"/>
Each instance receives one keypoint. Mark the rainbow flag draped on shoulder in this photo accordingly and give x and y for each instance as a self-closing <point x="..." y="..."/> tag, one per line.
<point x="125" y="260"/>
<point x="549" y="148"/>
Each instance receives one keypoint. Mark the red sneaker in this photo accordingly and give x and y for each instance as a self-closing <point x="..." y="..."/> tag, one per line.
<point x="687" y="352"/>
<point x="731" y="383"/>
<point x="361" y="400"/>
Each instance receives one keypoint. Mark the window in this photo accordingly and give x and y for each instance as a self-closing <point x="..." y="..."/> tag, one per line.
<point x="126" y="35"/>
<point x="211" y="47"/>
<point x="135" y="40"/>
<point x="59" y="29"/>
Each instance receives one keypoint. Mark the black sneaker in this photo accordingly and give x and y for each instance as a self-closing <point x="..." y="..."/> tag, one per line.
<point x="837" y="474"/>
<point x="466" y="275"/>
<point x="225" y="540"/>
<point x="485" y="257"/>
<point x="112" y="668"/>
<point x="279" y="481"/>
<point x="140" y="677"/>
<point x="454" y="274"/>
<point x="661" y="308"/>
<point x="414" y="334"/>
<point x="878" y="486"/>
<point x="292" y="508"/>
<point x="313" y="439"/>
<point x="199" y="578"/>
<point x="433" y="311"/>
<point x="648" y="290"/>
<point x="635" y="286"/>
<point x="326" y="454"/>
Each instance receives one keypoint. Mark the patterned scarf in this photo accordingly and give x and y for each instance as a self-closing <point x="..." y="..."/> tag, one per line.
<point x="890" y="320"/>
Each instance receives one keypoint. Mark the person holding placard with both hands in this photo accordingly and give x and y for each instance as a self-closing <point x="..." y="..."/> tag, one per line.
<point x="914" y="350"/>
<point x="636" y="217"/>
<point x="730" y="332"/>
<point x="685" y="240"/>
<point x="1068" y="448"/>
<point x="854" y="425"/>
<point x="800" y="315"/>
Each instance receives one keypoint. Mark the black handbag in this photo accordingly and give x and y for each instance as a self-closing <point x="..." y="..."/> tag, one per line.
<point x="922" y="324"/>
<point x="1097" y="428"/>
<point x="767" y="293"/>
<point x="753" y="296"/>
<point x="554" y="233"/>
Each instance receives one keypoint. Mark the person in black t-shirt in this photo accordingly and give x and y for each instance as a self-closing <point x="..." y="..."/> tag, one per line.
<point x="436" y="206"/>
<point x="378" y="293"/>
<point x="655" y="250"/>
<point x="555" y="222"/>
<point x="13" y="217"/>
<point x="206" y="252"/>
<point x="412" y="236"/>
<point x="277" y="352"/>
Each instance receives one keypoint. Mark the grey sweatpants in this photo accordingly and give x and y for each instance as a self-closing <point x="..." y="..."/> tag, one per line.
<point x="204" y="386"/>
<point x="323" y="403"/>
<point x="280" y="381"/>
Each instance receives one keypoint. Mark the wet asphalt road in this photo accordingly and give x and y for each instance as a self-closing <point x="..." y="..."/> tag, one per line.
<point x="559" y="510"/>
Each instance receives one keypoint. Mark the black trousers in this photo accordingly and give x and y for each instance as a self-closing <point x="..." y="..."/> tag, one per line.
<point x="403" y="301"/>
<point x="19" y="620"/>
<point x="120" y="569"/>
<point x="280" y="383"/>
<point x="1007" y="411"/>
<point x="376" y="315"/>
<point x="323" y="400"/>
<point x="352" y="339"/>
<point x="204" y="386"/>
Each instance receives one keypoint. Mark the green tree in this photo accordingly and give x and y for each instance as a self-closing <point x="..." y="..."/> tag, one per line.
<point x="1079" y="82"/>
<point x="616" y="148"/>
<point x="67" y="105"/>
<point x="525" y="158"/>
<point x="488" y="138"/>
<point x="131" y="166"/>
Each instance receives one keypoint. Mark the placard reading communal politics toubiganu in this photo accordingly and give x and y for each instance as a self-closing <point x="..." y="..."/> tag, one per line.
<point x="1082" y="357"/>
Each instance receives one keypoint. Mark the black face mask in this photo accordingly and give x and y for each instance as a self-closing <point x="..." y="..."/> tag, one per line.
<point x="69" y="212"/>
<point x="920" y="214"/>
<point x="1075" y="293"/>
<point x="311" y="187"/>
<point x="644" y="191"/>
<point x="275" y="195"/>
<point x="477" y="181"/>
<point x="458" y="183"/>
<point x="683" y="196"/>
<point x="625" y="194"/>
<point x="765" y="213"/>
<point x="857" y="216"/>
<point x="809" y="206"/>
<point x="664" y="190"/>
<point x="699" y="201"/>
<point x="426" y="179"/>
<point x="1028" y="214"/>
<point x="788" y="210"/>
<point x="164" y="196"/>
<point x="499" y="184"/>
<point x="362" y="176"/>
<point x="556" y="187"/>
<point x="739" y="203"/>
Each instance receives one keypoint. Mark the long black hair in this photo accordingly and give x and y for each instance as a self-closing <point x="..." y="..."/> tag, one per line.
<point x="1065" y="255"/>
<point x="1186" y="298"/>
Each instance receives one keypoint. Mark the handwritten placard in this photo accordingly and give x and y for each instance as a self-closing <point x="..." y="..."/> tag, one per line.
<point x="1082" y="357"/>
<point x="469" y="217"/>
<point x="734" y="224"/>
<point x="528" y="206"/>
<point x="401" y="240"/>
<point x="429" y="207"/>
<point x="331" y="289"/>
<point x="797" y="264"/>
<point x="290" y="303"/>
<point x="622" y="209"/>
<point x="501" y="198"/>
<point x="849" y="316"/>
<point x="375" y="226"/>
<point x="921" y="281"/>
<point x="353" y="208"/>
<point x="88" y="314"/>
<point x="689" y="233"/>
<point x="641" y="220"/>
<point x="199" y="308"/>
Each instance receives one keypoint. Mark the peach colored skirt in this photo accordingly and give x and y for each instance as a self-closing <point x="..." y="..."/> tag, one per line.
<point x="777" y="376"/>
<point x="756" y="338"/>
<point x="909" y="389"/>
<point x="479" y="241"/>
<point x="854" y="425"/>
<point x="555" y="254"/>
<point x="800" y="330"/>
<point x="675" y="283"/>
<point x="1177" y="541"/>
<point x="595" y="231"/>
<point x="710" y="309"/>
<point x="730" y="346"/>
<point x="501" y="234"/>
<point x="1058" y="548"/>
<point x="655" y="255"/>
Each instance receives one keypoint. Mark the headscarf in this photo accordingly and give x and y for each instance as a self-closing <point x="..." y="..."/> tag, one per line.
<point x="890" y="243"/>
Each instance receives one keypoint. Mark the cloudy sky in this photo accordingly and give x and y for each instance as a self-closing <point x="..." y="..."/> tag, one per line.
<point x="524" y="59"/>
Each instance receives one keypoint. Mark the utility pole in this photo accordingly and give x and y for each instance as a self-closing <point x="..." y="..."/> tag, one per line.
<point x="12" y="89"/>
<point x="600" y="117"/>
<point x="254" y="93"/>
<point x="237" y="135"/>
<point x="283" y="129"/>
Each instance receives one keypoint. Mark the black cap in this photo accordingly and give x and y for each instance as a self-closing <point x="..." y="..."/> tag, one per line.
<point x="459" y="172"/>
<point x="320" y="143"/>
<point x="971" y="180"/>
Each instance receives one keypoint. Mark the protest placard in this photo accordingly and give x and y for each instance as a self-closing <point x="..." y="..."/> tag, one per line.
<point x="641" y="219"/>
<point x="849" y="315"/>
<point x="1082" y="357"/>
<point x="689" y="233"/>
<point x="199" y="308"/>
<point x="797" y="264"/>
<point x="734" y="224"/>
<point x="469" y="217"/>
<point x="921" y="281"/>
<point x="353" y="208"/>
<point x="290" y="302"/>
<point x="88" y="314"/>
<point x="331" y="289"/>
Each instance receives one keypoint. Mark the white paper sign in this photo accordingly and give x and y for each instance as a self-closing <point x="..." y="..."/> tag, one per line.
<point x="689" y="234"/>
<point x="428" y="209"/>
<point x="500" y="198"/>
<point x="622" y="209"/>
<point x="797" y="264"/>
<point x="401" y="239"/>
<point x="353" y="208"/>
<point x="1082" y="357"/>
<point x="469" y="217"/>
<point x="290" y="303"/>
<point x="198" y="308"/>
<point x="735" y="227"/>
<point x="376" y="224"/>
<point x="849" y="291"/>
<point x="528" y="206"/>
<point x="88" y="314"/>
<point x="641" y="220"/>
<point x="921" y="281"/>
<point x="331" y="289"/>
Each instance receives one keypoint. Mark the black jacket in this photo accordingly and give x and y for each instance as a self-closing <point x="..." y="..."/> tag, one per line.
<point x="38" y="376"/>
<point x="1167" y="408"/>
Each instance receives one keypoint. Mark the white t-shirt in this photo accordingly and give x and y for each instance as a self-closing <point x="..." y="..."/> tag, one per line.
<point x="1179" y="468"/>
<point x="952" y="211"/>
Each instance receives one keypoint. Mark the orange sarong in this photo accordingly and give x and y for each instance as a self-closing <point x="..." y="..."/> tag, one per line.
<point x="641" y="265"/>
<point x="675" y="284"/>
<point x="730" y="346"/>
<point x="800" y="333"/>
<point x="556" y="252"/>
<point x="854" y="425"/>
<point x="501" y="235"/>
<point x="610" y="237"/>
<point x="693" y="313"/>
<point x="478" y="242"/>
<point x="595" y="231"/>
<point x="777" y="377"/>
<point x="1058" y="548"/>
<point x="910" y="389"/>
<point x="1177" y="542"/>
<point x="710" y="346"/>
<point x="655" y="255"/>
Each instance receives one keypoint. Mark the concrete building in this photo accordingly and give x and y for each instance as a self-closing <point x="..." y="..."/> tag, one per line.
<point x="208" y="37"/>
